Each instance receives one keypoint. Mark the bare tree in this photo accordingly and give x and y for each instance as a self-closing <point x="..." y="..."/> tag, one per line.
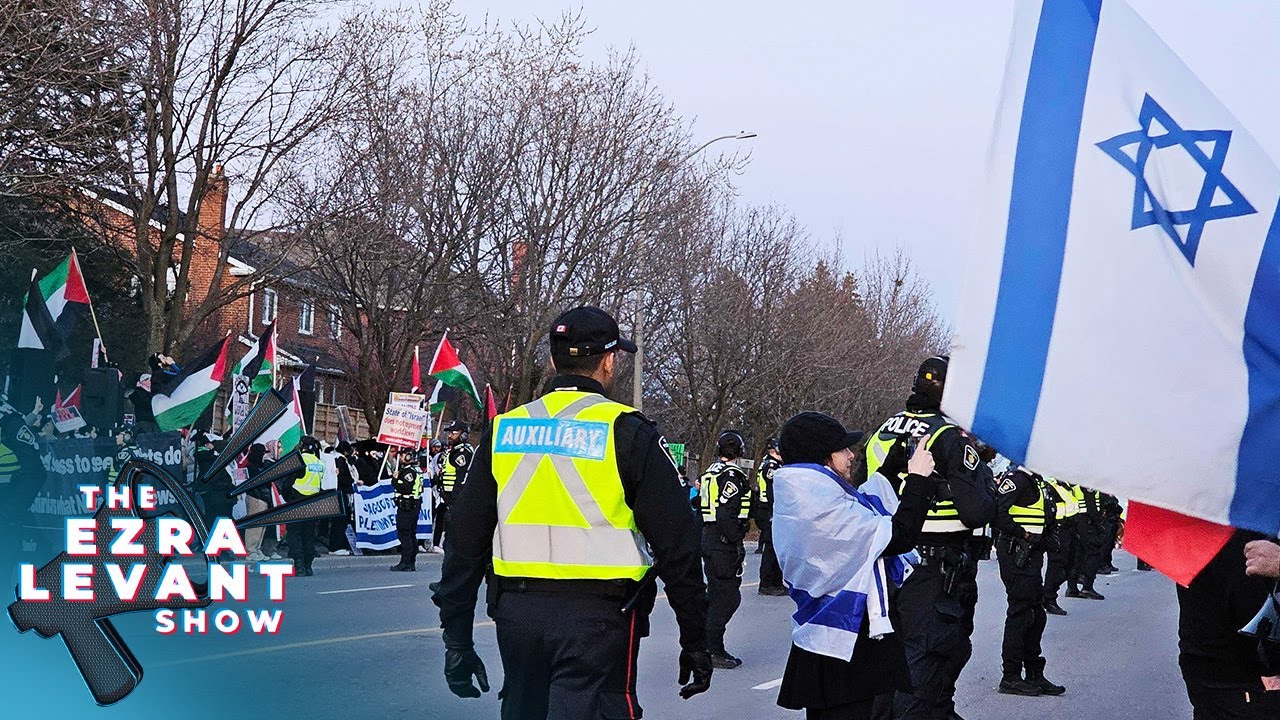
<point x="62" y="91"/>
<point x="243" y="85"/>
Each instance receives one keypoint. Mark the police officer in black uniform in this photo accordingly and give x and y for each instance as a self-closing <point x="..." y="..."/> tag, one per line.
<point x="726" y="501"/>
<point x="1094" y="535"/>
<point x="407" y="487"/>
<point x="455" y="461"/>
<point x="762" y="511"/>
<point x="937" y="602"/>
<point x="126" y="449"/>
<point x="569" y="643"/>
<point x="1025" y="528"/>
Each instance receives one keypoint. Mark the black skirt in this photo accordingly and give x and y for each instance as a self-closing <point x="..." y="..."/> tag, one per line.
<point x="817" y="681"/>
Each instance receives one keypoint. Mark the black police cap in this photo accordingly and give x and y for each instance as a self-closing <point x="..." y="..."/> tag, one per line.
<point x="585" y="331"/>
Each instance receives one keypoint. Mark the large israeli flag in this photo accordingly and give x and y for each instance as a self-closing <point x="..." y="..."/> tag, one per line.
<point x="1121" y="323"/>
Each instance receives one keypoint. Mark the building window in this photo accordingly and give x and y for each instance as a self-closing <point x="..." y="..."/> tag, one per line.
<point x="269" y="300"/>
<point x="335" y="322"/>
<point x="306" y="318"/>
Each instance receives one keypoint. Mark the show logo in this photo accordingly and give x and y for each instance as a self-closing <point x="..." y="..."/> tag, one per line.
<point x="136" y="553"/>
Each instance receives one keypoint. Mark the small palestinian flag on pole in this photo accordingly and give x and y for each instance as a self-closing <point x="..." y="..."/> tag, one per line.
<point x="437" y="401"/>
<point x="259" y="364"/>
<point x="448" y="369"/>
<point x="38" y="329"/>
<point x="65" y="294"/>
<point x="184" y="398"/>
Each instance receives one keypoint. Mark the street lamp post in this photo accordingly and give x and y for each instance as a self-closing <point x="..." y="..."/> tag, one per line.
<point x="637" y="381"/>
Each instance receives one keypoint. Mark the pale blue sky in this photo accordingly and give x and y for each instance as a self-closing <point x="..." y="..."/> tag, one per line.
<point x="874" y="117"/>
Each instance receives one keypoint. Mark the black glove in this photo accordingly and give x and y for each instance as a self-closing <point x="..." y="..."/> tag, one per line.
<point x="460" y="664"/>
<point x="695" y="663"/>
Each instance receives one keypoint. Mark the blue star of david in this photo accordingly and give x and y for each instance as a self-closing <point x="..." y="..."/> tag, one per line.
<point x="1167" y="134"/>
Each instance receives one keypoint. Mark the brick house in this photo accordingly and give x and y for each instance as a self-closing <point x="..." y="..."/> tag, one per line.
<point x="308" y="323"/>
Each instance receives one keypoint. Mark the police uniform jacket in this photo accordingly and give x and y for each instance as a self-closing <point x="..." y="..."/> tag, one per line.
<point x="653" y="491"/>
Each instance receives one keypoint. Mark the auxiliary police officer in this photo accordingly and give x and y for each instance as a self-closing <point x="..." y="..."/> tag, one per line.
<point x="936" y="604"/>
<point x="575" y="502"/>
<point x="1025" y="523"/>
<point x="453" y="462"/>
<point x="302" y="535"/>
<point x="1068" y="500"/>
<point x="725" y="499"/>
<point x="407" y="487"/>
<point x="762" y="511"/>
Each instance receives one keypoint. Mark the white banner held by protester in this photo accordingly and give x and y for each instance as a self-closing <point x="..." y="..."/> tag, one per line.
<point x="402" y="425"/>
<point x="1120" y="322"/>
<point x="375" y="518"/>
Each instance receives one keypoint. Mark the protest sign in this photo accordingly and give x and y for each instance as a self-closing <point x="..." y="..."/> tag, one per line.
<point x="402" y="425"/>
<point x="375" y="516"/>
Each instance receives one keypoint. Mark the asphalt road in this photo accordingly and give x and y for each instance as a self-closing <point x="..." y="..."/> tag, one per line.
<point x="360" y="641"/>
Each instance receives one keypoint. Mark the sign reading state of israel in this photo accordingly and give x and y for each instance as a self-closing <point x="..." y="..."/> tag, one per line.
<point x="572" y="438"/>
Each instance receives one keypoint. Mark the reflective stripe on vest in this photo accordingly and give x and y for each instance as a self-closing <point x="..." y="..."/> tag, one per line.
<point x="562" y="511"/>
<point x="710" y="494"/>
<point x="1031" y="517"/>
<point x="943" y="517"/>
<point x="9" y="465"/>
<point x="449" y="475"/>
<point x="1066" y="505"/>
<point x="309" y="484"/>
<point x="762" y="484"/>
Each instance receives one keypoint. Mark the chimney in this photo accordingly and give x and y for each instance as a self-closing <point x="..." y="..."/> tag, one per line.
<point x="211" y="223"/>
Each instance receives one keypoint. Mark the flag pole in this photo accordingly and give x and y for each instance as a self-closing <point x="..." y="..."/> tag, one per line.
<point x="98" y="330"/>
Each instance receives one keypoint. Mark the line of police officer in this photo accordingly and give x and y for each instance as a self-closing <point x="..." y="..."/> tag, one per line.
<point x="572" y="506"/>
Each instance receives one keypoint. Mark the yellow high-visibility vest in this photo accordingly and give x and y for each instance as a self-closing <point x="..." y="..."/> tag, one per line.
<point x="309" y="484"/>
<point x="1066" y="504"/>
<point x="943" y="517"/>
<point x="1033" y="517"/>
<point x="709" y="493"/>
<point x="562" y="511"/>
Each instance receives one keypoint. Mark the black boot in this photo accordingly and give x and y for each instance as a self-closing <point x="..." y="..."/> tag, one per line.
<point x="775" y="591"/>
<point x="1018" y="686"/>
<point x="722" y="660"/>
<point x="401" y="567"/>
<point x="1046" y="688"/>
<point x="1091" y="594"/>
<point x="1053" y="608"/>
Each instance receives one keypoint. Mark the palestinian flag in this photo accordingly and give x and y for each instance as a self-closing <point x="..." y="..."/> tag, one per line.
<point x="38" y="329"/>
<point x="448" y="369"/>
<point x="182" y="399"/>
<point x="64" y="293"/>
<point x="288" y="429"/>
<point x="437" y="401"/>
<point x="259" y="363"/>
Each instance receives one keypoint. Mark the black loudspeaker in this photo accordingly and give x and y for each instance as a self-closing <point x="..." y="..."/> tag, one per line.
<point x="101" y="400"/>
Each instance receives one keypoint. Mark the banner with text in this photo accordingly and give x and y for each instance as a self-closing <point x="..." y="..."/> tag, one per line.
<point x="375" y="513"/>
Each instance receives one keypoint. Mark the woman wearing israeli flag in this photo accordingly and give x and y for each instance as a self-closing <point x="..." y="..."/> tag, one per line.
<point x="840" y="547"/>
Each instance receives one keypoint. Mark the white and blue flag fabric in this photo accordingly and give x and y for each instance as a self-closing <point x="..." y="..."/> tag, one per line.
<point x="828" y="536"/>
<point x="1121" y="317"/>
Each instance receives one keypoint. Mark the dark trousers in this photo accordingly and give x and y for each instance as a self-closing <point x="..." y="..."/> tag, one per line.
<point x="770" y="571"/>
<point x="1093" y="546"/>
<point x="567" y="656"/>
<point x="1216" y="700"/>
<point x="1062" y="561"/>
<point x="722" y="563"/>
<point x="438" y="518"/>
<point x="407" y="512"/>
<point x="1025" y="619"/>
<point x="935" y="629"/>
<point x="302" y="542"/>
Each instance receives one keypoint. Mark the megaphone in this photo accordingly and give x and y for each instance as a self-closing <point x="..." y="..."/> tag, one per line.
<point x="1265" y="628"/>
